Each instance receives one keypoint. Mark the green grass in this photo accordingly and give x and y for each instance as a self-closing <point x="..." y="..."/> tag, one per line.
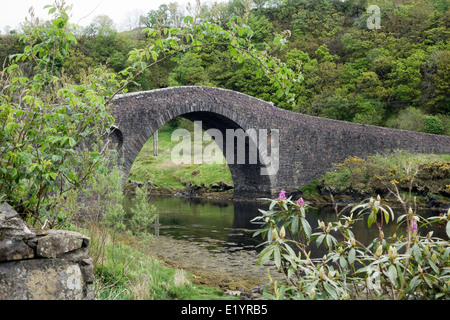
<point x="162" y="172"/>
<point x="124" y="271"/>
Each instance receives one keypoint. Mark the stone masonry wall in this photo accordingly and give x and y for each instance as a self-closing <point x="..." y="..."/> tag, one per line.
<point x="47" y="265"/>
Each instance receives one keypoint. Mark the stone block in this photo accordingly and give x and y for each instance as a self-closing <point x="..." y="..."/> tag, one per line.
<point x="41" y="279"/>
<point x="11" y="250"/>
<point x="54" y="243"/>
<point x="12" y="226"/>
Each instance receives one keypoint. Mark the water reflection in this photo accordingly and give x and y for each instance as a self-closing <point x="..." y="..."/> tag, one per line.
<point x="228" y="224"/>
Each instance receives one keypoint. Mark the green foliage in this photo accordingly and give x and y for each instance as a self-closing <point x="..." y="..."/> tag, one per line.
<point x="142" y="214"/>
<point x="399" y="267"/>
<point x="41" y="158"/>
<point x="433" y="125"/>
<point x="351" y="73"/>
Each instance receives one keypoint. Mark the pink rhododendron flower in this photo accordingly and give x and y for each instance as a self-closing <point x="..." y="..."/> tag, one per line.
<point x="413" y="225"/>
<point x="282" y="195"/>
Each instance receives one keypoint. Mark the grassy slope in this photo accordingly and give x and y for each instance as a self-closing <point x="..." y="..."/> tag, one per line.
<point x="162" y="172"/>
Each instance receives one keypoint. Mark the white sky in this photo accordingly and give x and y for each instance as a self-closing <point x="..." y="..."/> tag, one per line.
<point x="13" y="12"/>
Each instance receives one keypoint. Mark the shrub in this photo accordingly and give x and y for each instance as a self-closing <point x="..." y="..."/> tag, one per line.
<point x="433" y="125"/>
<point x="411" y="266"/>
<point x="409" y="119"/>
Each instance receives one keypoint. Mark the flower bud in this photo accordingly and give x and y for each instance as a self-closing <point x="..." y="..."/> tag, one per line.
<point x="321" y="273"/>
<point x="282" y="233"/>
<point x="352" y="242"/>
<point x="379" y="251"/>
<point x="329" y="227"/>
<point x="274" y="234"/>
<point x="410" y="211"/>
<point x="378" y="198"/>
<point x="392" y="252"/>
<point x="419" y="269"/>
<point x="371" y="202"/>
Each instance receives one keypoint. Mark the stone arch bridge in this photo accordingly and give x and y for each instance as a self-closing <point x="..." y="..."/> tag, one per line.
<point x="308" y="146"/>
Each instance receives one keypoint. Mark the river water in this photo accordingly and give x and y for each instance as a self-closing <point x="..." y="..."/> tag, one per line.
<point x="214" y="239"/>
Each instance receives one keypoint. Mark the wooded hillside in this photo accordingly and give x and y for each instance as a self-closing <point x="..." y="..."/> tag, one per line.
<point x="396" y="76"/>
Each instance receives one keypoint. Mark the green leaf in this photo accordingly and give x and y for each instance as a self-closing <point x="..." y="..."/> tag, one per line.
<point x="319" y="239"/>
<point x="330" y="290"/>
<point x="371" y="219"/>
<point x="72" y="142"/>
<point x="306" y="227"/>
<point x="277" y="257"/>
<point x="433" y="266"/>
<point x="294" y="225"/>
<point x="343" y="262"/>
<point x="265" y="254"/>
<point x="351" y="255"/>
<point x="392" y="271"/>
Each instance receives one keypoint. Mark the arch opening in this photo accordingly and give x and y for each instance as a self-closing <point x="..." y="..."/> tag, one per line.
<point x="240" y="153"/>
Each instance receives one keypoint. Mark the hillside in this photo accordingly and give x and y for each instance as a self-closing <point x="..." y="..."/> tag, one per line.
<point x="396" y="76"/>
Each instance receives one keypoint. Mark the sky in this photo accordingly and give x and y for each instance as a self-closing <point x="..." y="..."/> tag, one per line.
<point x="13" y="12"/>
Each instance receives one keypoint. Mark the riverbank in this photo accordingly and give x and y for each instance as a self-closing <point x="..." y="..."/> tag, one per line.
<point x="424" y="178"/>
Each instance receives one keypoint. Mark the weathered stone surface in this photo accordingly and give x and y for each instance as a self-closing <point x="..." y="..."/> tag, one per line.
<point x="41" y="279"/>
<point x="24" y="277"/>
<point x="57" y="242"/>
<point x="12" y="226"/>
<point x="11" y="250"/>
<point x="309" y="146"/>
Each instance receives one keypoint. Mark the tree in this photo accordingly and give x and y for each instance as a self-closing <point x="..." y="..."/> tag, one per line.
<point x="53" y="132"/>
<point x="189" y="71"/>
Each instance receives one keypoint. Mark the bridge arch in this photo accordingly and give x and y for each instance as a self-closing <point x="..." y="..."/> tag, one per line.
<point x="308" y="146"/>
<point x="139" y="115"/>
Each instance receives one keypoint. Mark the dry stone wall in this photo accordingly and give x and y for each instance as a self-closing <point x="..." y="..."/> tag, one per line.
<point x="47" y="265"/>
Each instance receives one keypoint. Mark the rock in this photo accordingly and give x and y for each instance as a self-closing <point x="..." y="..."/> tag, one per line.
<point x="53" y="265"/>
<point x="41" y="279"/>
<point x="12" y="226"/>
<point x="11" y="250"/>
<point x="54" y="243"/>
